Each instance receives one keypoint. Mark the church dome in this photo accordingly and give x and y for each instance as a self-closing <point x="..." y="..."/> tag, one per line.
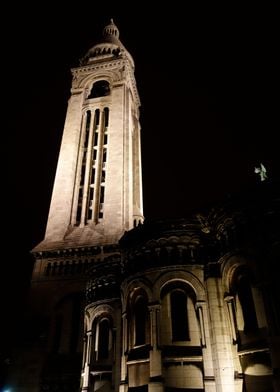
<point x="109" y="47"/>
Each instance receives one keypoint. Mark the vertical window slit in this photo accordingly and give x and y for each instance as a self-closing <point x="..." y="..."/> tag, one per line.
<point x="88" y="118"/>
<point x="179" y="316"/>
<point x="106" y="117"/>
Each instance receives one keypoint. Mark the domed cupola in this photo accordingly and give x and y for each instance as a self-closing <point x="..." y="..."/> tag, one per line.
<point x="111" y="32"/>
<point x="109" y="48"/>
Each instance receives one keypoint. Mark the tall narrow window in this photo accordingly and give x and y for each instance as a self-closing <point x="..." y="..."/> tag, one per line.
<point x="88" y="118"/>
<point x="104" y="157"/>
<point x="82" y="176"/>
<point x="103" y="339"/>
<point x="244" y="292"/>
<point x="83" y="170"/>
<point x="90" y="205"/>
<point x="179" y="316"/>
<point x="141" y="314"/>
<point x="106" y="115"/>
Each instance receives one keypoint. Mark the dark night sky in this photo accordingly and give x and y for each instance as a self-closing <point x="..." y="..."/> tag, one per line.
<point x="209" y="87"/>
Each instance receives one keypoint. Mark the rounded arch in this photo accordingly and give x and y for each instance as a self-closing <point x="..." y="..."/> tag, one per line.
<point x="230" y="264"/>
<point x="136" y="300"/>
<point x="238" y="276"/>
<point x="185" y="277"/>
<point x="100" y="88"/>
<point x="178" y="293"/>
<point x="87" y="81"/>
<point x="127" y="289"/>
<point x="178" y="285"/>
<point x="93" y="312"/>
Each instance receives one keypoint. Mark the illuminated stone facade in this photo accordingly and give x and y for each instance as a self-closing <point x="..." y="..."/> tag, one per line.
<point x="190" y="304"/>
<point x="118" y="304"/>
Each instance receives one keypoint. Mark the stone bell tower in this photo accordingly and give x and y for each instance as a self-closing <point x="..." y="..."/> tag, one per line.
<point x="97" y="196"/>
<point x="97" y="193"/>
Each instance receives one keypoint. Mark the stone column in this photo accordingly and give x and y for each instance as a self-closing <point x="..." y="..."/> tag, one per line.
<point x="231" y="316"/>
<point x="123" y="382"/>
<point x="229" y="300"/>
<point x="221" y="336"/>
<point x="86" y="371"/>
<point x="208" y="370"/>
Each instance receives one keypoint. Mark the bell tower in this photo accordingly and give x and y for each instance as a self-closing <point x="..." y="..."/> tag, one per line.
<point x="97" y="193"/>
<point x="96" y="198"/>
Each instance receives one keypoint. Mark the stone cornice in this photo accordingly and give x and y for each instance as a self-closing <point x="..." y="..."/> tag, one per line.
<point x="99" y="65"/>
<point x="76" y="251"/>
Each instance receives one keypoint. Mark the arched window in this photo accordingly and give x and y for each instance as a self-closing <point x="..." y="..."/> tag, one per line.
<point x="103" y="339"/>
<point x="141" y="316"/>
<point x="99" y="89"/>
<point x="179" y="315"/>
<point x="244" y="293"/>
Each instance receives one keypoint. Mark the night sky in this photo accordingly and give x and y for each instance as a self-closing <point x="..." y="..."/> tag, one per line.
<point x="209" y="88"/>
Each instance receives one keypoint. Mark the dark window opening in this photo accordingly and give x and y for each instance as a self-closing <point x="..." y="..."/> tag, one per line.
<point x="247" y="304"/>
<point x="102" y="192"/>
<point x="104" y="155"/>
<point x="94" y="154"/>
<point x="97" y="117"/>
<point x="116" y="52"/>
<point x="91" y="193"/>
<point x="87" y="127"/>
<point x="100" y="89"/>
<point x="89" y="215"/>
<point x="103" y="174"/>
<point x="95" y="139"/>
<point x="105" y="138"/>
<point x="103" y="339"/>
<point x="84" y="156"/>
<point x="141" y="313"/>
<point x="79" y="213"/>
<point x="106" y="115"/>
<point x="92" y="178"/>
<point x="179" y="316"/>
<point x="83" y="175"/>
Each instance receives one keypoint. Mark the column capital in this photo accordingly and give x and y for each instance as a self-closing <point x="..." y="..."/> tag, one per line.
<point x="154" y="307"/>
<point x="228" y="298"/>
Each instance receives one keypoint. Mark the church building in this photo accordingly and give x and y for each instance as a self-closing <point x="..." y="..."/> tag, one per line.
<point x="121" y="304"/>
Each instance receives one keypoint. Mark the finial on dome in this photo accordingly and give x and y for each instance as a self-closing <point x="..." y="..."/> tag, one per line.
<point x="112" y="21"/>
